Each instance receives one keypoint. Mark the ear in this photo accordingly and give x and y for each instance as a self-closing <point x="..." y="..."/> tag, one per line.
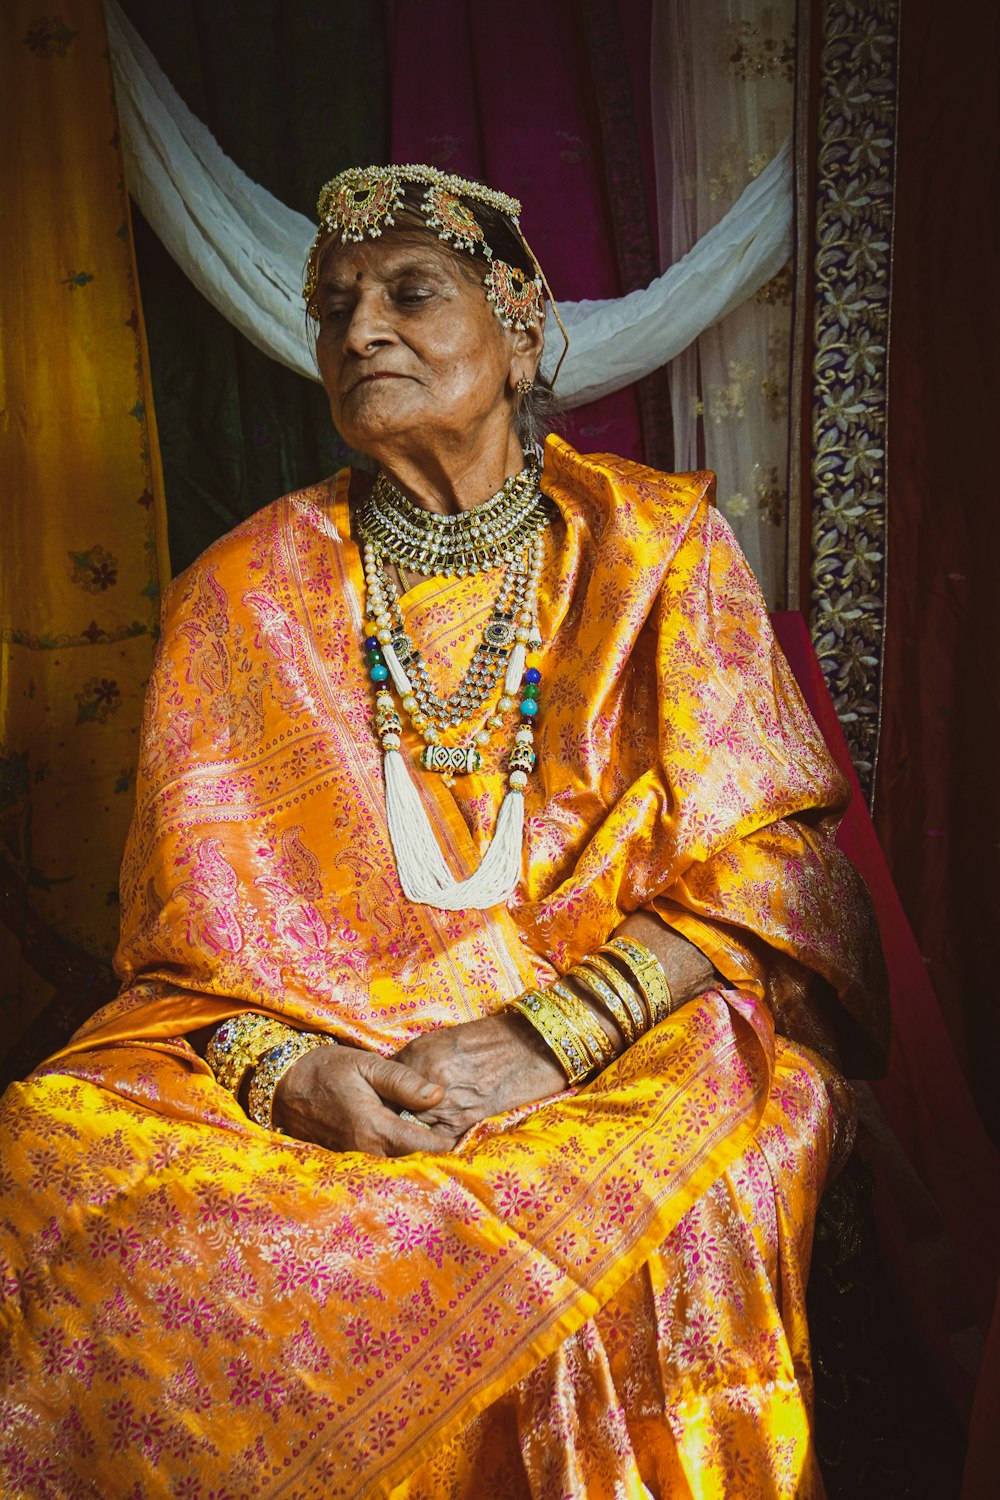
<point x="525" y="353"/>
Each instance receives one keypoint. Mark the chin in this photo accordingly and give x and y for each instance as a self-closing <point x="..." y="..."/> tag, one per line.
<point x="373" y="437"/>
<point x="377" y="415"/>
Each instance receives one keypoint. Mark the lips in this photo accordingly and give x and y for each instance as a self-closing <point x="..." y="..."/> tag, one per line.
<point x="379" y="375"/>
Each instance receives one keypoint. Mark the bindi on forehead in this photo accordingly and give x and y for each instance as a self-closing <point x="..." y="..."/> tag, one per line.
<point x="346" y="280"/>
<point x="344" y="267"/>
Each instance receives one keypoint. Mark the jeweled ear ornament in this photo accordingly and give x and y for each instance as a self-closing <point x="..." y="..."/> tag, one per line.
<point x="516" y="298"/>
<point x="542" y="282"/>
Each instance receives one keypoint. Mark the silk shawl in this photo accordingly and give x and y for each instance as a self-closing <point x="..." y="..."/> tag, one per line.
<point x="375" y="1306"/>
<point x="678" y="768"/>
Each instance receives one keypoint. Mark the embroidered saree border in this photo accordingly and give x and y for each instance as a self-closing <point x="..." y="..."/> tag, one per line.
<point x="844" y="317"/>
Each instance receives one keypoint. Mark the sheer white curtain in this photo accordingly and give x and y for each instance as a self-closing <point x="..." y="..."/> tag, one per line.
<point x="722" y="77"/>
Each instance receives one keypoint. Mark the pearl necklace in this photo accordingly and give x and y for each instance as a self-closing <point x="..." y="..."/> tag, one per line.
<point x="502" y="652"/>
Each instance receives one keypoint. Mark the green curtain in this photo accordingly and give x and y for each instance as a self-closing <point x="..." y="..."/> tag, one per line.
<point x="293" y="92"/>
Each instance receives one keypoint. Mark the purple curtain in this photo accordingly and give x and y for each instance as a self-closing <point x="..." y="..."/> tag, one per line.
<point x="507" y="95"/>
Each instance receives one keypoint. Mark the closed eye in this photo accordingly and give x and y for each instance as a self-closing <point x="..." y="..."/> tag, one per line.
<point x="414" y="296"/>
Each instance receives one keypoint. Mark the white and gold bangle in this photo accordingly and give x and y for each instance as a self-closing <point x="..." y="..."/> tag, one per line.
<point x="590" y="1030"/>
<point x="562" y="1039"/>
<point x="648" y="972"/>
<point x="613" y="991"/>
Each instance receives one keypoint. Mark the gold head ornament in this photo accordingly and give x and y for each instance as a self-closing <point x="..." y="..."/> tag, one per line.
<point x="362" y="202"/>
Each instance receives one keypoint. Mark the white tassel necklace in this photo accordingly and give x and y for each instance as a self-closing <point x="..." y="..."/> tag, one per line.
<point x="511" y="534"/>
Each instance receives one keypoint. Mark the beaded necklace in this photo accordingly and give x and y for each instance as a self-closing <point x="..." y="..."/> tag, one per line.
<point x="512" y="537"/>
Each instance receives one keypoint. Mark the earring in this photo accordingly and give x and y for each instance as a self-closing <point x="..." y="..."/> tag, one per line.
<point x="524" y="386"/>
<point x="516" y="298"/>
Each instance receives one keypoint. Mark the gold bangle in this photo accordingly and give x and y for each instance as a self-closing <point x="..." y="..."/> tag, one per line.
<point x="272" y="1069"/>
<point x="592" y="1033"/>
<point x="556" y="1032"/>
<point x="614" y="991"/>
<point x="560" y="1038"/>
<point x="239" y="1044"/>
<point x="649" y="975"/>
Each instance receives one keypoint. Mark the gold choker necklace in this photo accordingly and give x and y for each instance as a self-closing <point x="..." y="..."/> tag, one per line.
<point x="487" y="536"/>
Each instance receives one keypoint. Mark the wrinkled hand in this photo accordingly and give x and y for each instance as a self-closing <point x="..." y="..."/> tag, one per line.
<point x="484" y="1068"/>
<point x="346" y="1099"/>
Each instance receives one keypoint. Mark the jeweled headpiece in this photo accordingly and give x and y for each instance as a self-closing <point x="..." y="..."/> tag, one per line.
<point x="364" y="201"/>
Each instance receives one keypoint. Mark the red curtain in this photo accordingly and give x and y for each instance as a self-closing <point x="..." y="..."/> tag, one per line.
<point x="937" y="806"/>
<point x="937" y="802"/>
<point x="938" y="1198"/>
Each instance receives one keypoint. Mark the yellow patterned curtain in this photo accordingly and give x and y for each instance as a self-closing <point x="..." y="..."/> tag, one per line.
<point x="83" y="551"/>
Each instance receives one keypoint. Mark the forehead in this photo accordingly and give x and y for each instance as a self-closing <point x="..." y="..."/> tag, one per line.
<point x="390" y="256"/>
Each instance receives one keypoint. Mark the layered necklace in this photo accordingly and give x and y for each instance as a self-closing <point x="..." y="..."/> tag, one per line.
<point x="507" y="532"/>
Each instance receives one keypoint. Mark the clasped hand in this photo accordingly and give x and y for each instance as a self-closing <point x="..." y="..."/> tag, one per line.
<point x="348" y="1100"/>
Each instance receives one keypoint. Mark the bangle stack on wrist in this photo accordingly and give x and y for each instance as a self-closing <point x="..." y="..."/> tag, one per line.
<point x="614" y="992"/>
<point x="273" y="1067"/>
<point x="569" y="1029"/>
<point x="239" y="1044"/>
<point x="264" y="1045"/>
<point x="595" y="1038"/>
<point x="559" y="1034"/>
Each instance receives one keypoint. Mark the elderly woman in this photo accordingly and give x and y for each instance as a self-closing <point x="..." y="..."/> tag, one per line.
<point x="460" y="1125"/>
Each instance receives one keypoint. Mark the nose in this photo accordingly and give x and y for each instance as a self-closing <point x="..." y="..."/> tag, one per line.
<point x="367" y="329"/>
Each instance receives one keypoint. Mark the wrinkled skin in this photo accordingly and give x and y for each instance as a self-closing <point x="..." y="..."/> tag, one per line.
<point x="419" y="372"/>
<point x="345" y="1099"/>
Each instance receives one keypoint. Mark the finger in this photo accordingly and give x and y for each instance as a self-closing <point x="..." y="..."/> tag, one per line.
<point x="402" y="1138"/>
<point x="403" y="1132"/>
<point x="378" y="1131"/>
<point x="395" y="1083"/>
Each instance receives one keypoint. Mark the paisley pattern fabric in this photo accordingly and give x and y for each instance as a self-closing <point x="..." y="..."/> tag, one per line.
<point x="592" y="1295"/>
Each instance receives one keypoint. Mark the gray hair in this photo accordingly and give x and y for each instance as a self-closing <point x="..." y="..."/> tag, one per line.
<point x="535" y="414"/>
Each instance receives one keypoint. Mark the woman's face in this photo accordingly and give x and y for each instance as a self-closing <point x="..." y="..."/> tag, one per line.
<point x="409" y="349"/>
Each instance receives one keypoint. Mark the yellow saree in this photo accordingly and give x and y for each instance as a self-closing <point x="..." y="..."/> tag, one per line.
<point x="598" y="1295"/>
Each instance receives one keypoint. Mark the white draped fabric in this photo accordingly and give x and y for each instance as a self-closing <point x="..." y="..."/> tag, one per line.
<point x="245" y="251"/>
